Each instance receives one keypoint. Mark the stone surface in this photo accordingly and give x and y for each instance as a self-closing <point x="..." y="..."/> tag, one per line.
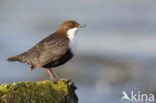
<point x="39" y="92"/>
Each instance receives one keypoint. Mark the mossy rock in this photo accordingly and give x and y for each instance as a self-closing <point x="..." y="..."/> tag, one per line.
<point x="39" y="92"/>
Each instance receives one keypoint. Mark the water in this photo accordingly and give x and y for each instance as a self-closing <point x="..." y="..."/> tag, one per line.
<point x="115" y="52"/>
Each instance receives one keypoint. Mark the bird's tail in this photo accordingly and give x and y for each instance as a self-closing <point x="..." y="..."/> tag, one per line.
<point x="12" y="59"/>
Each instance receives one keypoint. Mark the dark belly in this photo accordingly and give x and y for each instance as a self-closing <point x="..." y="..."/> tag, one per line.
<point x="60" y="61"/>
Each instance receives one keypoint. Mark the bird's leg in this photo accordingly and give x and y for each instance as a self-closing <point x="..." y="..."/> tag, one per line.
<point x="54" y="74"/>
<point x="50" y="74"/>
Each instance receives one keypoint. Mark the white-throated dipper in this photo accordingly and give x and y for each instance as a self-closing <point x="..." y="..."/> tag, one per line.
<point x="52" y="51"/>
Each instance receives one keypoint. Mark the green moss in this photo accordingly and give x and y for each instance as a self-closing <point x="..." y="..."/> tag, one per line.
<point x="39" y="92"/>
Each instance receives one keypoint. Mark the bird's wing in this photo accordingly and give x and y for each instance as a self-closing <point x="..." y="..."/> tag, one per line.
<point x="32" y="55"/>
<point x="53" y="49"/>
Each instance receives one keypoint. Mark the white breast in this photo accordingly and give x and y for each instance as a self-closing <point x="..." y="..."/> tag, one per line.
<point x="71" y="33"/>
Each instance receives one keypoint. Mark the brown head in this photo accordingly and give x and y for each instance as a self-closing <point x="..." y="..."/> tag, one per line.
<point x="69" y="28"/>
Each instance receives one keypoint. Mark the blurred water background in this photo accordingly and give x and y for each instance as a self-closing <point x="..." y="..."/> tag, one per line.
<point x="115" y="52"/>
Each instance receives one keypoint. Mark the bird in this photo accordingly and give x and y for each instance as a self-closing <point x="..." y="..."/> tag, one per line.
<point x="125" y="96"/>
<point x="52" y="51"/>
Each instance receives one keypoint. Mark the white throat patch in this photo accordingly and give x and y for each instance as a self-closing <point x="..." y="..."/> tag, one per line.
<point x="71" y="33"/>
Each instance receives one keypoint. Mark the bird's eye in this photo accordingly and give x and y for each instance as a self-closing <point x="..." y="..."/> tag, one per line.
<point x="72" y="24"/>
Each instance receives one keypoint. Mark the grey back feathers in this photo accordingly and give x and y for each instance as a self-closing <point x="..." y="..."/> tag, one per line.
<point x="46" y="51"/>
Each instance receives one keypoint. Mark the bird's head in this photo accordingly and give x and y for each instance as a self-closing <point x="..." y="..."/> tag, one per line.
<point x="69" y="28"/>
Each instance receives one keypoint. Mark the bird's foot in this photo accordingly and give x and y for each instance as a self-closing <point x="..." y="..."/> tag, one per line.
<point x="63" y="79"/>
<point x="55" y="80"/>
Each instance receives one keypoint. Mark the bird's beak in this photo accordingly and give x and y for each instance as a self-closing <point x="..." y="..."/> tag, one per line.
<point x="82" y="25"/>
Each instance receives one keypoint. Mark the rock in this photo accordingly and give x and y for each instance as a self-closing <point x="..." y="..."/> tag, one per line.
<point x="39" y="92"/>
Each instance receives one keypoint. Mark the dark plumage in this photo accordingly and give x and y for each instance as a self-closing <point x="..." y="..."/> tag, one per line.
<point x="48" y="50"/>
<point x="52" y="51"/>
